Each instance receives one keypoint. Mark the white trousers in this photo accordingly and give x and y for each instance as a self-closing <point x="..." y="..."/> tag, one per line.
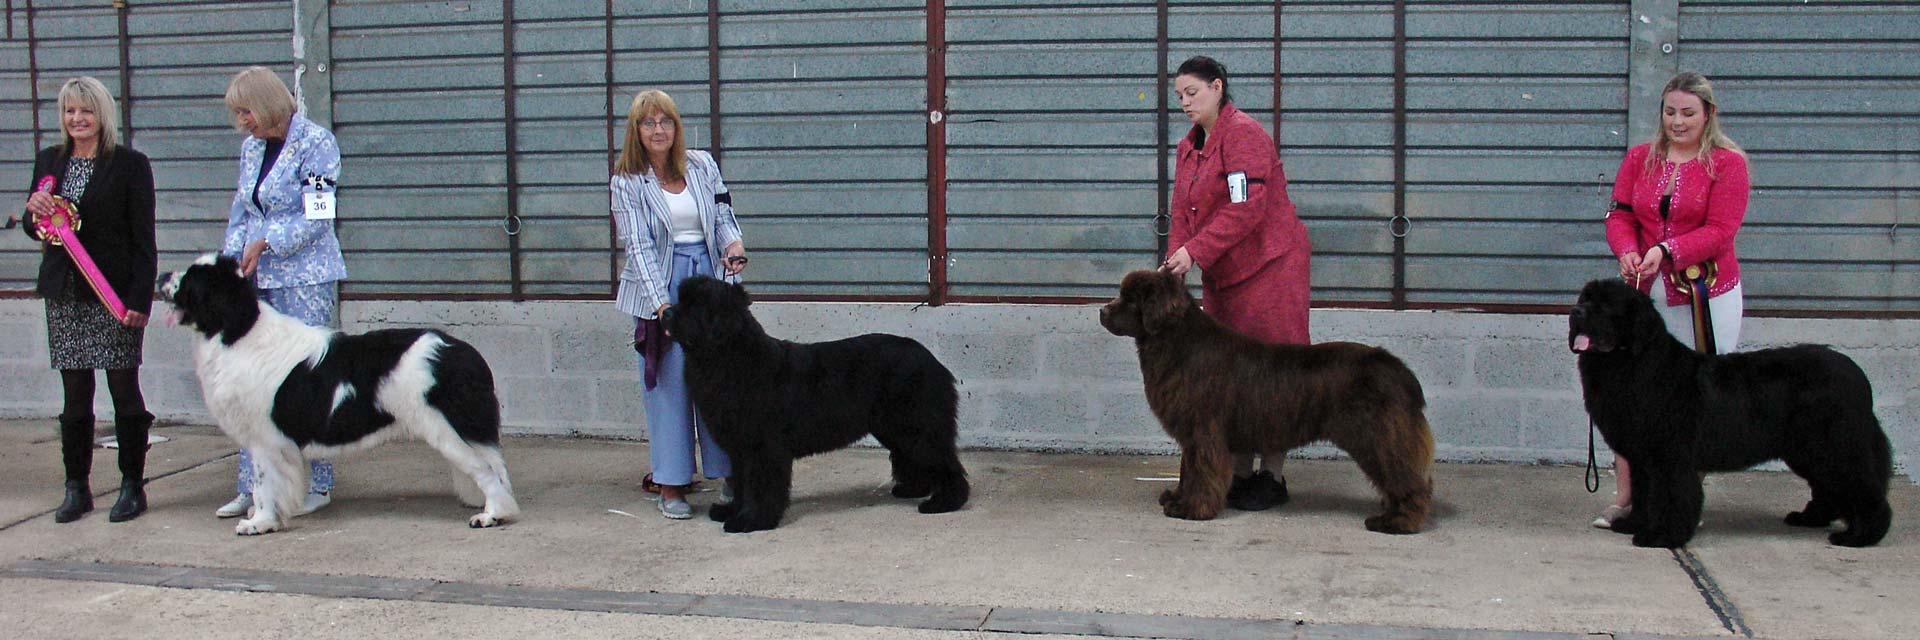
<point x="1725" y="309"/>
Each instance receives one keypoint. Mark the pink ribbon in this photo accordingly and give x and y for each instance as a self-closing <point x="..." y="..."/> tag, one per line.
<point x="59" y="229"/>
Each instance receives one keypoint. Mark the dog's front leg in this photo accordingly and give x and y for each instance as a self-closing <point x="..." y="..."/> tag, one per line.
<point x="1206" y="468"/>
<point x="276" y="492"/>
<point x="1171" y="496"/>
<point x="769" y="484"/>
<point x="1666" y="526"/>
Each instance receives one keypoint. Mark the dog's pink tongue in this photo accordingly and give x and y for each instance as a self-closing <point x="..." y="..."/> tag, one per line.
<point x="1580" y="342"/>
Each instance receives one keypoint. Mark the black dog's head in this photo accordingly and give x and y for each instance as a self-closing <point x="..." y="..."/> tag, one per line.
<point x="211" y="297"/>
<point x="710" y="313"/>
<point x="1610" y="316"/>
<point x="1150" y="302"/>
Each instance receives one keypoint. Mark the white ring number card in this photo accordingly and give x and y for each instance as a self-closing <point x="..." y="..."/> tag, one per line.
<point x="320" y="205"/>
<point x="1237" y="186"/>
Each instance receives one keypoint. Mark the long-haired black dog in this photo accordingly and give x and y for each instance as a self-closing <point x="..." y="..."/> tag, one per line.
<point x="768" y="402"/>
<point x="1675" y="413"/>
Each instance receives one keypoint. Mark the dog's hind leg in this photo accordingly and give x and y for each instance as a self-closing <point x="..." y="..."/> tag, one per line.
<point x="469" y="493"/>
<point x="912" y="478"/>
<point x="1823" y="508"/>
<point x="950" y="488"/>
<point x="1862" y="494"/>
<point x="488" y="470"/>
<point x="277" y="492"/>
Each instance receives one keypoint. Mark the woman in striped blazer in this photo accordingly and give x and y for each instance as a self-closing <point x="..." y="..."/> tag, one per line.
<point x="675" y="221"/>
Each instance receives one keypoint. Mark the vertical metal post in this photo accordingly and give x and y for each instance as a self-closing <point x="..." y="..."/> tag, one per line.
<point x="613" y="239"/>
<point x="1398" y="226"/>
<point x="1277" y="47"/>
<point x="513" y="222"/>
<point x="713" y="78"/>
<point x="126" y="74"/>
<point x="313" y="60"/>
<point x="1653" y="30"/>
<point x="936" y="152"/>
<point x="33" y="78"/>
<point x="1162" y="185"/>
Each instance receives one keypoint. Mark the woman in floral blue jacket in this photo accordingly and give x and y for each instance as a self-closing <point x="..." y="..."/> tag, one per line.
<point x="293" y="257"/>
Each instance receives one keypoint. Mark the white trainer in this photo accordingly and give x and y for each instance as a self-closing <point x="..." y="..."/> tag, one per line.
<point x="314" y="502"/>
<point x="236" y="507"/>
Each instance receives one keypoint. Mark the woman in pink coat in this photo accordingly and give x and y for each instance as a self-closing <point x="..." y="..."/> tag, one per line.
<point x="1678" y="202"/>
<point x="1231" y="216"/>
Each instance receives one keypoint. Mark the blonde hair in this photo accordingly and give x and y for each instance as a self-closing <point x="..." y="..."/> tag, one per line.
<point x="86" y="91"/>
<point x="633" y="155"/>
<point x="260" y="90"/>
<point x="1711" y="136"/>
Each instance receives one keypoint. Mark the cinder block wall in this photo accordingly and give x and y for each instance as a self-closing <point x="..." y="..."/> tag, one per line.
<point x="1500" y="387"/>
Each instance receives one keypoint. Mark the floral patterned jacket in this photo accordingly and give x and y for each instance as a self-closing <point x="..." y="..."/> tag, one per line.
<point x="299" y="252"/>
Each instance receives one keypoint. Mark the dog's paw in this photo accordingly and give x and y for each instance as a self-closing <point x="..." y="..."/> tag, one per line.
<point x="942" y="504"/>
<point x="1657" y="540"/>
<point x="1186" y="510"/>
<point x="1808" y="519"/>
<point x="723" y="512"/>
<point x="483" y="521"/>
<point x="1391" y="523"/>
<point x="746" y="523"/>
<point x="256" y="526"/>
<point x="1169" y="497"/>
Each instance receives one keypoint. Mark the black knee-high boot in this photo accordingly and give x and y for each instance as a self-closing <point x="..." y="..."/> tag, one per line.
<point x="131" y="431"/>
<point x="76" y="452"/>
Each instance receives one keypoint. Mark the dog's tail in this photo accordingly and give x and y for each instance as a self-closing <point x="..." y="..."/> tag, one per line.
<point x="1396" y="379"/>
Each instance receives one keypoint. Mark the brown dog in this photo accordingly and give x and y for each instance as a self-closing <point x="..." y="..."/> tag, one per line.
<point x="1218" y="392"/>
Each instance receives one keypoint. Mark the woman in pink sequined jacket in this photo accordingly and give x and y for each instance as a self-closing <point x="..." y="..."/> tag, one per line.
<point x="1678" y="203"/>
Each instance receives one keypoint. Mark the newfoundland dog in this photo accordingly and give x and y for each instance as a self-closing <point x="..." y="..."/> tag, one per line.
<point x="1675" y="413"/>
<point x="768" y="402"/>
<point x="1218" y="393"/>
<point x="284" y="390"/>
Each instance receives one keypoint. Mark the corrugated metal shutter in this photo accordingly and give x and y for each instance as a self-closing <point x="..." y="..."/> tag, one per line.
<point x="1515" y="125"/>
<point x="418" y="111"/>
<point x="1051" y="147"/>
<point x="181" y="55"/>
<point x="1826" y="99"/>
<point x="824" y="142"/>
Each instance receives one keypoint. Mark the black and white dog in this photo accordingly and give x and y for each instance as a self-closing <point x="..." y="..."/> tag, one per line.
<point x="284" y="390"/>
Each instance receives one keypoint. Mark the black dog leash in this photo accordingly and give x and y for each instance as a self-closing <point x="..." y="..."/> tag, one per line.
<point x="1592" y="477"/>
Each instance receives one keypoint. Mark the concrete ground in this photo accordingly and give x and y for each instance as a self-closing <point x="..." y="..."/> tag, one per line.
<point x="1052" y="544"/>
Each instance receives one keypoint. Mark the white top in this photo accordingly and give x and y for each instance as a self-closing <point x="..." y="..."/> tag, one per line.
<point x="683" y="217"/>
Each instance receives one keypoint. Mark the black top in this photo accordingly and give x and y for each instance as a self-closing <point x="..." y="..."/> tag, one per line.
<point x="266" y="165"/>
<point x="116" y="226"/>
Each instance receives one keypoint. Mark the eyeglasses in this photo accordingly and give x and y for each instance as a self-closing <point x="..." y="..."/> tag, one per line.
<point x="662" y="123"/>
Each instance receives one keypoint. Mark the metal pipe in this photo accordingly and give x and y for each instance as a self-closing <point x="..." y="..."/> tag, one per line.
<point x="1163" y="213"/>
<point x="126" y="74"/>
<point x="936" y="152"/>
<point x="1394" y="226"/>
<point x="512" y="222"/>
<point x="713" y="78"/>
<point x="613" y="237"/>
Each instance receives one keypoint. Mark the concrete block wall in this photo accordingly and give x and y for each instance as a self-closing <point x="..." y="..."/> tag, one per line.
<point x="1499" y="387"/>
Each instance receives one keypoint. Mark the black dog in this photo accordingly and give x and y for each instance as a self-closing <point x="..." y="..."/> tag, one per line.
<point x="1675" y="413"/>
<point x="771" y="401"/>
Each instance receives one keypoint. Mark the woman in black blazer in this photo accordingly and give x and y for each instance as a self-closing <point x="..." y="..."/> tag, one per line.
<point x="112" y="187"/>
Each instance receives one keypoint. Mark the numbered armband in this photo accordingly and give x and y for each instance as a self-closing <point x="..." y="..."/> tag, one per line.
<point x="319" y="197"/>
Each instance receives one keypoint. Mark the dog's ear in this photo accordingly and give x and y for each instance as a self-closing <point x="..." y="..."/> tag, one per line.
<point x="1165" y="302"/>
<point x="741" y="291"/>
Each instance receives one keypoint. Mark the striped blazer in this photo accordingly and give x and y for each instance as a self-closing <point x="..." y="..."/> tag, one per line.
<point x="640" y="219"/>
